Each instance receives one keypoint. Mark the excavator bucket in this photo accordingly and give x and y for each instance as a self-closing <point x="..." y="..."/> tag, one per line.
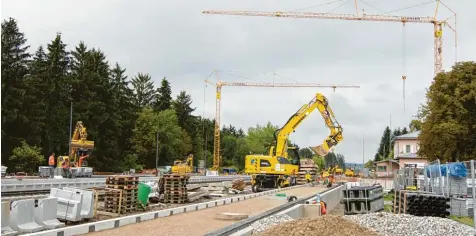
<point x="320" y="150"/>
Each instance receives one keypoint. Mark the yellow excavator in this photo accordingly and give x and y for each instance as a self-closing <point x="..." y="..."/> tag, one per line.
<point x="182" y="167"/>
<point x="277" y="169"/>
<point x="81" y="148"/>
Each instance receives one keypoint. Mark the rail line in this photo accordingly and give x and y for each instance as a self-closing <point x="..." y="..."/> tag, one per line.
<point x="14" y="186"/>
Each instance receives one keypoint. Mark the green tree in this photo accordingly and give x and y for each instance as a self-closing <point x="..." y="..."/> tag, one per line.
<point x="369" y="164"/>
<point x="448" y="130"/>
<point x="143" y="90"/>
<point x="306" y="153"/>
<point x="319" y="161"/>
<point x="57" y="97"/>
<point x="340" y="160"/>
<point x="174" y="142"/>
<point x="384" y="146"/>
<point x="26" y="158"/>
<point x="260" y="138"/>
<point x="164" y="96"/>
<point x="14" y="68"/>
<point x="415" y="125"/>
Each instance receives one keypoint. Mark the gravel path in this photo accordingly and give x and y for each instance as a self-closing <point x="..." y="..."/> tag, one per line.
<point x="203" y="221"/>
<point x="388" y="224"/>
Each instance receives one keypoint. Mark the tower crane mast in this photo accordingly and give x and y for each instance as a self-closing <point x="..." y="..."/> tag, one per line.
<point x="220" y="84"/>
<point x="438" y="24"/>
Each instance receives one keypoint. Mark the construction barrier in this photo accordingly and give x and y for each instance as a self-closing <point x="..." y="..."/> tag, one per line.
<point x="22" y="217"/>
<point x="45" y="213"/>
<point x="69" y="204"/>
<point x="87" y="204"/>
<point x="132" y="219"/>
<point x="6" y="229"/>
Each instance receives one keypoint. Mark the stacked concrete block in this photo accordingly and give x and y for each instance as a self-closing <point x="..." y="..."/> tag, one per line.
<point x="459" y="207"/>
<point x="360" y="200"/>
<point x="22" y="217"/>
<point x="457" y="186"/>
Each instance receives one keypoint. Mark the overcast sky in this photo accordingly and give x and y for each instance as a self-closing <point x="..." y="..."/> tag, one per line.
<point x="174" y="39"/>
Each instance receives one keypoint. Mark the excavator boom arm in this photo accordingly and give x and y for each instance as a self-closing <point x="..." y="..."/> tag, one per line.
<point x="320" y="102"/>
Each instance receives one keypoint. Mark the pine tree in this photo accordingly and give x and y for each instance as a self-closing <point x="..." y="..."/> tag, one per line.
<point x="58" y="98"/>
<point x="14" y="69"/>
<point x="144" y="90"/>
<point x="385" y="146"/>
<point x="164" y="96"/>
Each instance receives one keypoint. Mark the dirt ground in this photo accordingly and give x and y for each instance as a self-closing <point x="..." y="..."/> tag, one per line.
<point x="329" y="225"/>
<point x="203" y="221"/>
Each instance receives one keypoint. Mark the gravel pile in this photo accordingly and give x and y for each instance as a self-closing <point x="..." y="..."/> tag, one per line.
<point x="388" y="224"/>
<point x="326" y="225"/>
<point x="263" y="224"/>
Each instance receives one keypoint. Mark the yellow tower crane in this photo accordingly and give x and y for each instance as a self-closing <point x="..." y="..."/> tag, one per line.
<point x="438" y="24"/>
<point x="220" y="84"/>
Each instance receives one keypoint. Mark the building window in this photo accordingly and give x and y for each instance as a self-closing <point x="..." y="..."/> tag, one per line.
<point x="408" y="148"/>
<point x="382" y="168"/>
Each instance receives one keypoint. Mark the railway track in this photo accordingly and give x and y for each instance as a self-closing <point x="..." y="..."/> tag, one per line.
<point x="13" y="187"/>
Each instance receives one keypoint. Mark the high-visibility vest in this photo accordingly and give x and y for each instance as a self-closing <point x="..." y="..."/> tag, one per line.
<point x="51" y="161"/>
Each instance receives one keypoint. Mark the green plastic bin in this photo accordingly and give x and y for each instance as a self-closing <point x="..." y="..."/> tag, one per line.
<point x="143" y="196"/>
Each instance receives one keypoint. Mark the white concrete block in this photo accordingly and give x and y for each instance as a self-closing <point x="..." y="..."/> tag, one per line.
<point x="102" y="225"/>
<point x="45" y="213"/>
<point x="6" y="229"/>
<point x="87" y="204"/>
<point x="190" y="208"/>
<point x="69" y="204"/>
<point x="203" y="205"/>
<point x="164" y="213"/>
<point x="149" y="216"/>
<point x="22" y="217"/>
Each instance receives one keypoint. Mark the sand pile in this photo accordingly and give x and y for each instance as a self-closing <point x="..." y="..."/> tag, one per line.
<point x="328" y="225"/>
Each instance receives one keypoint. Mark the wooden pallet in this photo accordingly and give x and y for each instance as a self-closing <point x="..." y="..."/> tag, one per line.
<point x="125" y="187"/>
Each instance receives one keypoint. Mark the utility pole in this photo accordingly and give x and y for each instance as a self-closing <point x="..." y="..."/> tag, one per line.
<point x="70" y="128"/>
<point x="363" y="152"/>
<point x="157" y="154"/>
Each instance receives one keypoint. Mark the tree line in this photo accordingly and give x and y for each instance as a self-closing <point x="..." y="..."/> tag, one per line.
<point x="446" y="121"/>
<point x="125" y="116"/>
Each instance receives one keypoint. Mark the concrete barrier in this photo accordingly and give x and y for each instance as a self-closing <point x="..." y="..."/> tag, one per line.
<point x="45" y="213"/>
<point x="6" y="229"/>
<point x="69" y="204"/>
<point x="87" y="205"/>
<point x="132" y="219"/>
<point x="22" y="217"/>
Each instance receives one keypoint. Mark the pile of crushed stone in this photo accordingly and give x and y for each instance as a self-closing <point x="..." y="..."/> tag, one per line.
<point x="328" y="225"/>
<point x="388" y="224"/>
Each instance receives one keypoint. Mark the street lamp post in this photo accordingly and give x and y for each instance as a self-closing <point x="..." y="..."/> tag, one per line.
<point x="157" y="154"/>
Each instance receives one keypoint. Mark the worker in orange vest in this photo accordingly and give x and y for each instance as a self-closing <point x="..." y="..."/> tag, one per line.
<point x="51" y="163"/>
<point x="51" y="160"/>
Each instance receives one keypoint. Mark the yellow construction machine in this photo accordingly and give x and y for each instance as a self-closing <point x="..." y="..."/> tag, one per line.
<point x="277" y="169"/>
<point x="81" y="148"/>
<point x="181" y="167"/>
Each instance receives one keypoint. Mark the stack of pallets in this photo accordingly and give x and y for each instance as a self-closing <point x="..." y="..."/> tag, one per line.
<point x="306" y="165"/>
<point x="175" y="188"/>
<point x="121" y="194"/>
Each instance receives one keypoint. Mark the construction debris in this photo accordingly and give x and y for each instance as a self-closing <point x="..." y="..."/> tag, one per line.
<point x="238" y="184"/>
<point x="388" y="224"/>
<point x="230" y="216"/>
<point x="325" y="225"/>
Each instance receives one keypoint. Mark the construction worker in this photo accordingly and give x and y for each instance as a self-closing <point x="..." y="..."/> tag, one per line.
<point x="308" y="177"/>
<point x="51" y="163"/>
<point x="66" y="170"/>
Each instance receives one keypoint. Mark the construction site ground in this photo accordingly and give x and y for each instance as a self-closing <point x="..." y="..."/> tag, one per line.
<point x="203" y="221"/>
